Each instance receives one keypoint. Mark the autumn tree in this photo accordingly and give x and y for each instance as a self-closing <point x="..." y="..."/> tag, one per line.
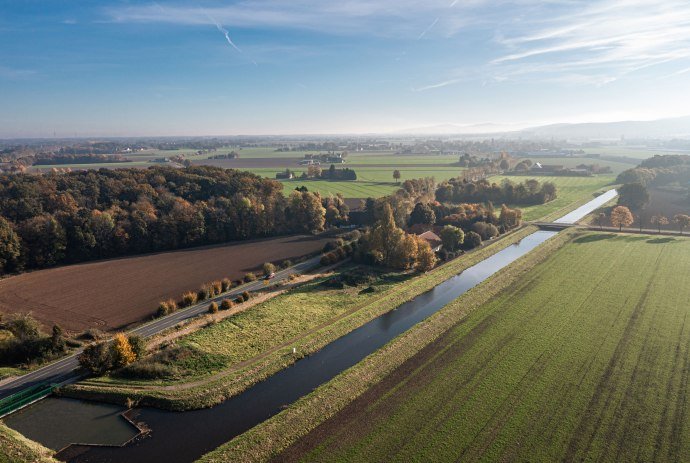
<point x="621" y="217"/>
<point x="96" y="358"/>
<point x="683" y="221"/>
<point x="122" y="353"/>
<point x="660" y="221"/>
<point x="426" y="258"/>
<point x="396" y="176"/>
<point x="452" y="237"/>
<point x="510" y="218"/>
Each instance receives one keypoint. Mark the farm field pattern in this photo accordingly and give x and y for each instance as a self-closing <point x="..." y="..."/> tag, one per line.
<point x="583" y="359"/>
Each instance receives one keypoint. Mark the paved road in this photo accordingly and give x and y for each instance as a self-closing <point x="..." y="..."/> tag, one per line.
<point x="66" y="369"/>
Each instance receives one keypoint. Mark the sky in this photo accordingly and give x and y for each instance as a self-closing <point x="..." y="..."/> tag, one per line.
<point x="210" y="67"/>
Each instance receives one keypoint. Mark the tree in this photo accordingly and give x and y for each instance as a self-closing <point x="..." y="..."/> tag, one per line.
<point x="659" y="220"/>
<point x="600" y="220"/>
<point x="423" y="214"/>
<point x="426" y="259"/>
<point x="122" y="353"/>
<point x="682" y="220"/>
<point x="10" y="246"/>
<point x="96" y="358"/>
<point x="621" y="217"/>
<point x="452" y="237"/>
<point x="269" y="268"/>
<point x="472" y="240"/>
<point x="396" y="176"/>
<point x="57" y="339"/>
<point x="633" y="196"/>
<point x="510" y="218"/>
<point x="23" y="327"/>
<point x="138" y="345"/>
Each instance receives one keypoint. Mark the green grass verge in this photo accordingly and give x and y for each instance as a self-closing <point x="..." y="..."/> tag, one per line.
<point x="585" y="358"/>
<point x="571" y="190"/>
<point x="15" y="448"/>
<point x="279" y="432"/>
<point x="271" y="330"/>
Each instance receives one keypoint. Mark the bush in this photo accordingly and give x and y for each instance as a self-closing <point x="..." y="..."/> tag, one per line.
<point x="138" y="345"/>
<point x="166" y="308"/>
<point x="188" y="298"/>
<point x="217" y="287"/>
<point x="245" y="295"/>
<point x="239" y="282"/>
<point x="287" y="263"/>
<point x="213" y="307"/>
<point x="268" y="268"/>
<point x="92" y="334"/>
<point x="226" y="285"/>
<point x="226" y="304"/>
<point x="249" y="277"/>
<point x="472" y="240"/>
<point x="293" y="276"/>
<point x="96" y="358"/>
<point x="239" y="300"/>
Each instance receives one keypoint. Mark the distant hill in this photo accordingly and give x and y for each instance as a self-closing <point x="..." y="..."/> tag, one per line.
<point x="452" y="129"/>
<point x="678" y="127"/>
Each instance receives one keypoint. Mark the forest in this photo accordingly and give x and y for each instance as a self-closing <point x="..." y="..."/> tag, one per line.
<point x="56" y="218"/>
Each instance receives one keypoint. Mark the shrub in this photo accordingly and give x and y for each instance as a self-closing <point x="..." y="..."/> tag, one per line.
<point x="292" y="276"/>
<point x="340" y="253"/>
<point x="226" y="304"/>
<point x="239" y="300"/>
<point x="245" y="295"/>
<point x="92" y="334"/>
<point x="166" y="308"/>
<point x="217" y="287"/>
<point x="269" y="268"/>
<point x="213" y="307"/>
<point x="204" y="292"/>
<point x="225" y="285"/>
<point x="287" y="263"/>
<point x="239" y="282"/>
<point x="249" y="277"/>
<point x="138" y="345"/>
<point x="325" y="260"/>
<point x="188" y="298"/>
<point x="485" y="230"/>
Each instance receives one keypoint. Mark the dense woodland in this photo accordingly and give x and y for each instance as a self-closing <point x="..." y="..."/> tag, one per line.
<point x="527" y="193"/>
<point x="659" y="171"/>
<point x="64" y="218"/>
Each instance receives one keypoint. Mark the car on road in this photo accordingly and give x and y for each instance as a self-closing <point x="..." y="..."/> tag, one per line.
<point x="270" y="275"/>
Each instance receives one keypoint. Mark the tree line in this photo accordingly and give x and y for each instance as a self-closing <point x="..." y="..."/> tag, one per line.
<point x="529" y="192"/>
<point x="54" y="218"/>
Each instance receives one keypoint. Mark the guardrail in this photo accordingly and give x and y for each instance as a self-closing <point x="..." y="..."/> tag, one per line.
<point x="25" y="397"/>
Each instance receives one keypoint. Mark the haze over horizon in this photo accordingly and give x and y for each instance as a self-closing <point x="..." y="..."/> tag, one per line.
<point x="142" y="68"/>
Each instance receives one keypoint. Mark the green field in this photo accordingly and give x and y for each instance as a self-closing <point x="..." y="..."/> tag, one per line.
<point x="371" y="181"/>
<point x="616" y="167"/>
<point x="585" y="358"/>
<point x="628" y="152"/>
<point x="570" y="190"/>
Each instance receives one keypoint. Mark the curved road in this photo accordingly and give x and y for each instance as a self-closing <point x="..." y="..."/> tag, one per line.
<point x="66" y="370"/>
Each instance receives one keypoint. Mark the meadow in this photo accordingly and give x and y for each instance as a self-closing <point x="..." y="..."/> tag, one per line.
<point x="583" y="358"/>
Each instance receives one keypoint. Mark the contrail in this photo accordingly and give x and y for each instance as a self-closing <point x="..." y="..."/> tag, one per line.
<point x="227" y="36"/>
<point x="431" y="26"/>
<point x="453" y="4"/>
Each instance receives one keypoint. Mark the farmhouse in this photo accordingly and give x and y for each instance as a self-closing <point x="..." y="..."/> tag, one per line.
<point x="433" y="239"/>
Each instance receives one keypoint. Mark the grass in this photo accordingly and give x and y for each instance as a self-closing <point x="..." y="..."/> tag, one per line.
<point x="570" y="190"/>
<point x="616" y="167"/>
<point x="15" y="448"/>
<point x="628" y="152"/>
<point x="583" y="359"/>
<point x="248" y="347"/>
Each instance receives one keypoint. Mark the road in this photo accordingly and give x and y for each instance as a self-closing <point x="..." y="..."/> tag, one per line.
<point x="66" y="370"/>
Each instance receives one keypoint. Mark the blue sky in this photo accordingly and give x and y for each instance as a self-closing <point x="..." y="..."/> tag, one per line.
<point x="352" y="66"/>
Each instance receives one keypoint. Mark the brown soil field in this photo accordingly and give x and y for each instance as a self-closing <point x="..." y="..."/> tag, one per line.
<point x="115" y="293"/>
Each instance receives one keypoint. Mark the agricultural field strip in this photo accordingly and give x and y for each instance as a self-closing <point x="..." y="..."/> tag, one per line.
<point x="63" y="370"/>
<point x="545" y="343"/>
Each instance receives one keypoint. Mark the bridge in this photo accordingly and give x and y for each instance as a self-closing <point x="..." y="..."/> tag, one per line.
<point x="25" y="397"/>
<point x="554" y="226"/>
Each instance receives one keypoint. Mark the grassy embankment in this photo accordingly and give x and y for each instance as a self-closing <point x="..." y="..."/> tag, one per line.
<point x="584" y="358"/>
<point x="276" y="434"/>
<point x="15" y="448"/>
<point x="230" y="356"/>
